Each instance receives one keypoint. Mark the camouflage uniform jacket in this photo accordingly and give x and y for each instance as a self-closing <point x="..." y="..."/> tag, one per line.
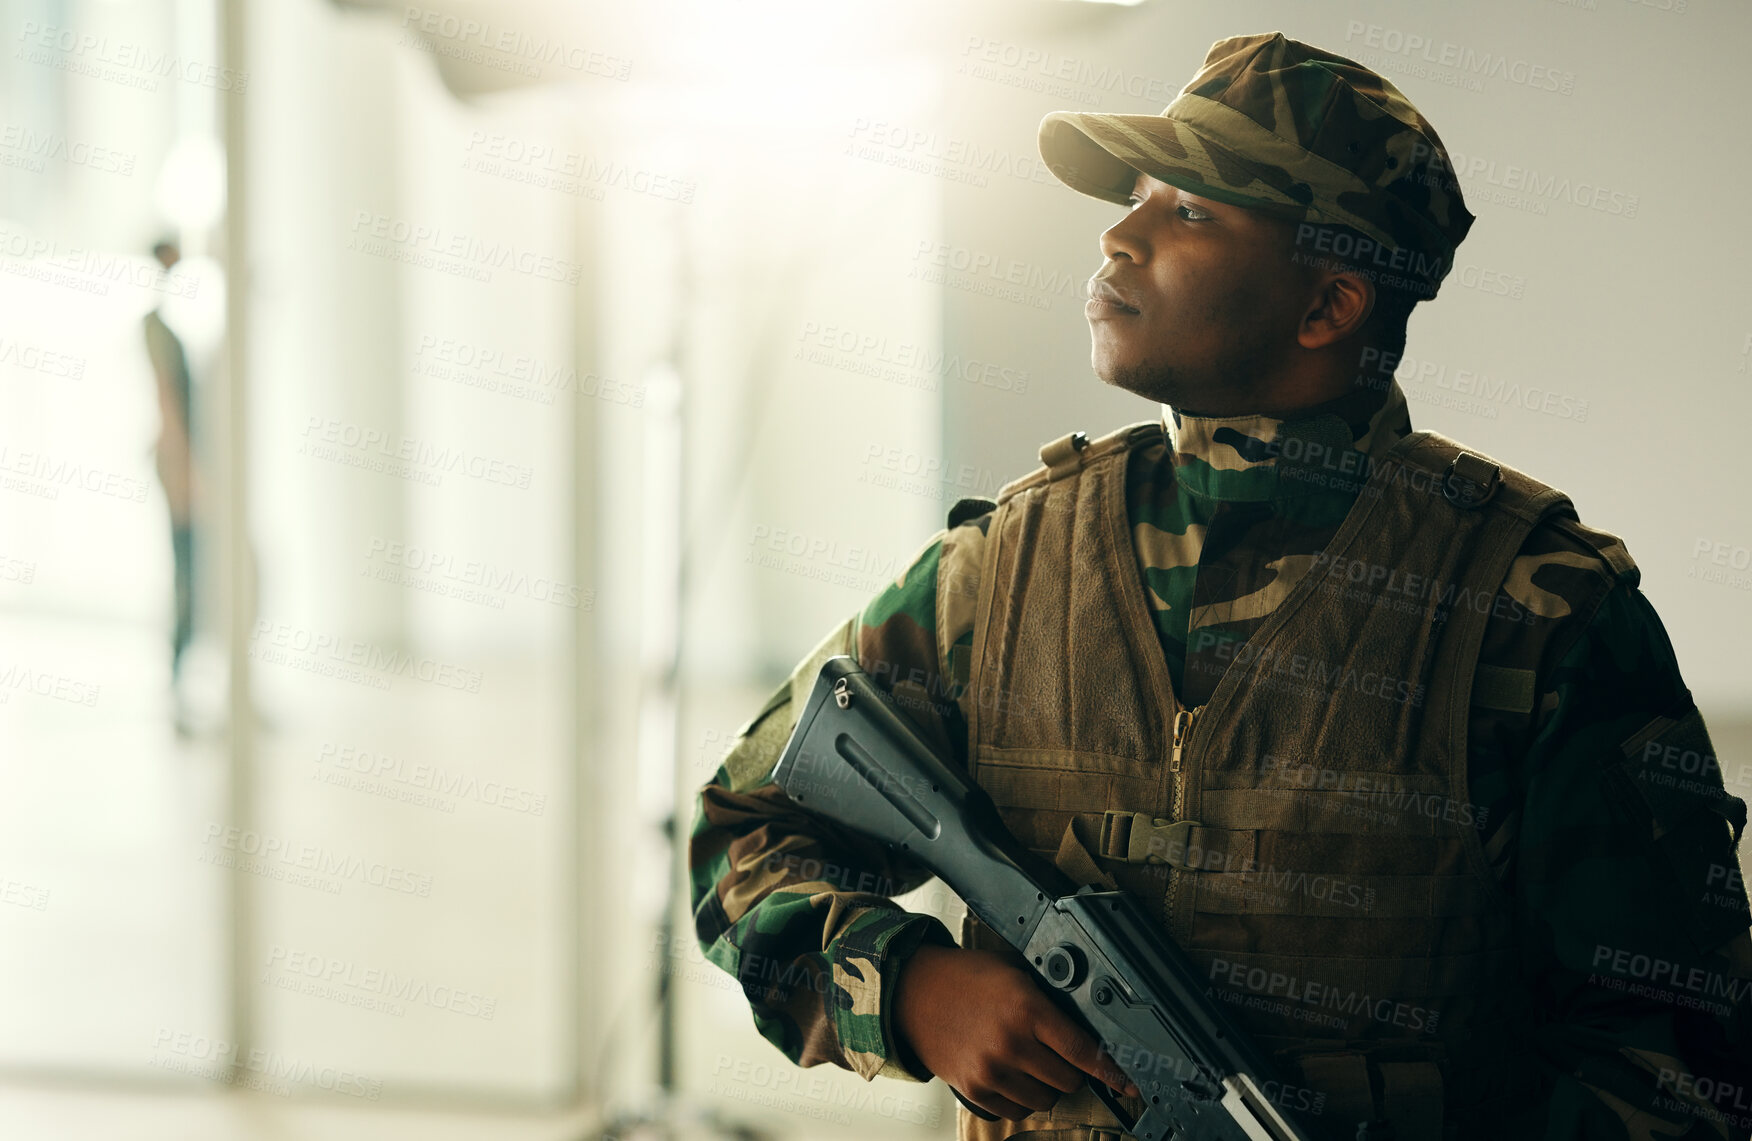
<point x="797" y="909"/>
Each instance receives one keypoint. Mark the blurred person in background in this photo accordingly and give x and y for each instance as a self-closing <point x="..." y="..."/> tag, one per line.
<point x="174" y="460"/>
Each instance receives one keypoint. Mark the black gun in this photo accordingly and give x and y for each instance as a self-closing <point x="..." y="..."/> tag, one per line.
<point x="855" y="759"/>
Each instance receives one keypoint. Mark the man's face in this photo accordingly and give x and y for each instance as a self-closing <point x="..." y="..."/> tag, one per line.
<point x="1201" y="302"/>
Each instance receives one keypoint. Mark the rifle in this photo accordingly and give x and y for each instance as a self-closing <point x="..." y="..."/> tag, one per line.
<point x="856" y="760"/>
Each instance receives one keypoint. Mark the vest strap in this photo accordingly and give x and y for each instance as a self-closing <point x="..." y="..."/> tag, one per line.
<point x="1064" y="453"/>
<point x="1069" y="453"/>
<point x="1075" y="859"/>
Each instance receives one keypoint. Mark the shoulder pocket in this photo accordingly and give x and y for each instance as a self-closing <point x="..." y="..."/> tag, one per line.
<point x="1671" y="770"/>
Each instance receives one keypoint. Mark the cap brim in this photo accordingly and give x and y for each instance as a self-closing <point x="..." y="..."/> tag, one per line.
<point x="1101" y="155"/>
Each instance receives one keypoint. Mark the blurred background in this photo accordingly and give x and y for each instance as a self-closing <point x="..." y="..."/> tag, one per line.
<point x="428" y="432"/>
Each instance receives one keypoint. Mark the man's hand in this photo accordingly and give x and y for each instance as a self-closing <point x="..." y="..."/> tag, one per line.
<point x="985" y="1026"/>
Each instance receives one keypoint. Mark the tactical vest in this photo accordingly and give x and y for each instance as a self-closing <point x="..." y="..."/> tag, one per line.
<point x="1306" y="835"/>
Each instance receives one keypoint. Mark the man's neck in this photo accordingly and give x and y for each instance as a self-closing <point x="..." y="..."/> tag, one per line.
<point x="1260" y="456"/>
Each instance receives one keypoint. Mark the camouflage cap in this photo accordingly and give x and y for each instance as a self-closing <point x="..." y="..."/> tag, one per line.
<point x="1274" y="124"/>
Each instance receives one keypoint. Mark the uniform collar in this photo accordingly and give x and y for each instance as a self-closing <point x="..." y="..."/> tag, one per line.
<point x="1258" y="458"/>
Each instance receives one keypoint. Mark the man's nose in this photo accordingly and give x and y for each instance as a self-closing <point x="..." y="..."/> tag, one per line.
<point x="1120" y="240"/>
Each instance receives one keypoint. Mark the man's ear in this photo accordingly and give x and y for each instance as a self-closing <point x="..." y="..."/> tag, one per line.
<point x="1341" y="306"/>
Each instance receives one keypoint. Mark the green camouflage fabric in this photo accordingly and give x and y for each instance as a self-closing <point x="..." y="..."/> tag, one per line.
<point x="796" y="908"/>
<point x="1277" y="125"/>
<point x="1624" y="874"/>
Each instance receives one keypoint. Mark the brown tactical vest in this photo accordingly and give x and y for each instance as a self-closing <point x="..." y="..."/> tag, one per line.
<point x="1306" y="835"/>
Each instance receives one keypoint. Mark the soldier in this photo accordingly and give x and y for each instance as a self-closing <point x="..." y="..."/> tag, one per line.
<point x="1385" y="737"/>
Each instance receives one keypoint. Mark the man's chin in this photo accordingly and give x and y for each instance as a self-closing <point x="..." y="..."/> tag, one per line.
<point x="1150" y="382"/>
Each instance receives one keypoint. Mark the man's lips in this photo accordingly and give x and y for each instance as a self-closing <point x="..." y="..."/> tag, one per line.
<point x="1106" y="301"/>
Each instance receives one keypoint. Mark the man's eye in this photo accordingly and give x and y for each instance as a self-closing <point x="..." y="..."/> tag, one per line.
<point x="1192" y="213"/>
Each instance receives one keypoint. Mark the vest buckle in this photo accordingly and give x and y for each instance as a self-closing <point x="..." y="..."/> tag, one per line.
<point x="1139" y="838"/>
<point x="1470" y="481"/>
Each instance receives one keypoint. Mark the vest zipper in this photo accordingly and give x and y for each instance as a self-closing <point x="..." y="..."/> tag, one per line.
<point x="1177" y="797"/>
<point x="1182" y="730"/>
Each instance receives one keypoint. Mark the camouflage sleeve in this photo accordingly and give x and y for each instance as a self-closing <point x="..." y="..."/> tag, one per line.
<point x="1629" y="893"/>
<point x="796" y="907"/>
